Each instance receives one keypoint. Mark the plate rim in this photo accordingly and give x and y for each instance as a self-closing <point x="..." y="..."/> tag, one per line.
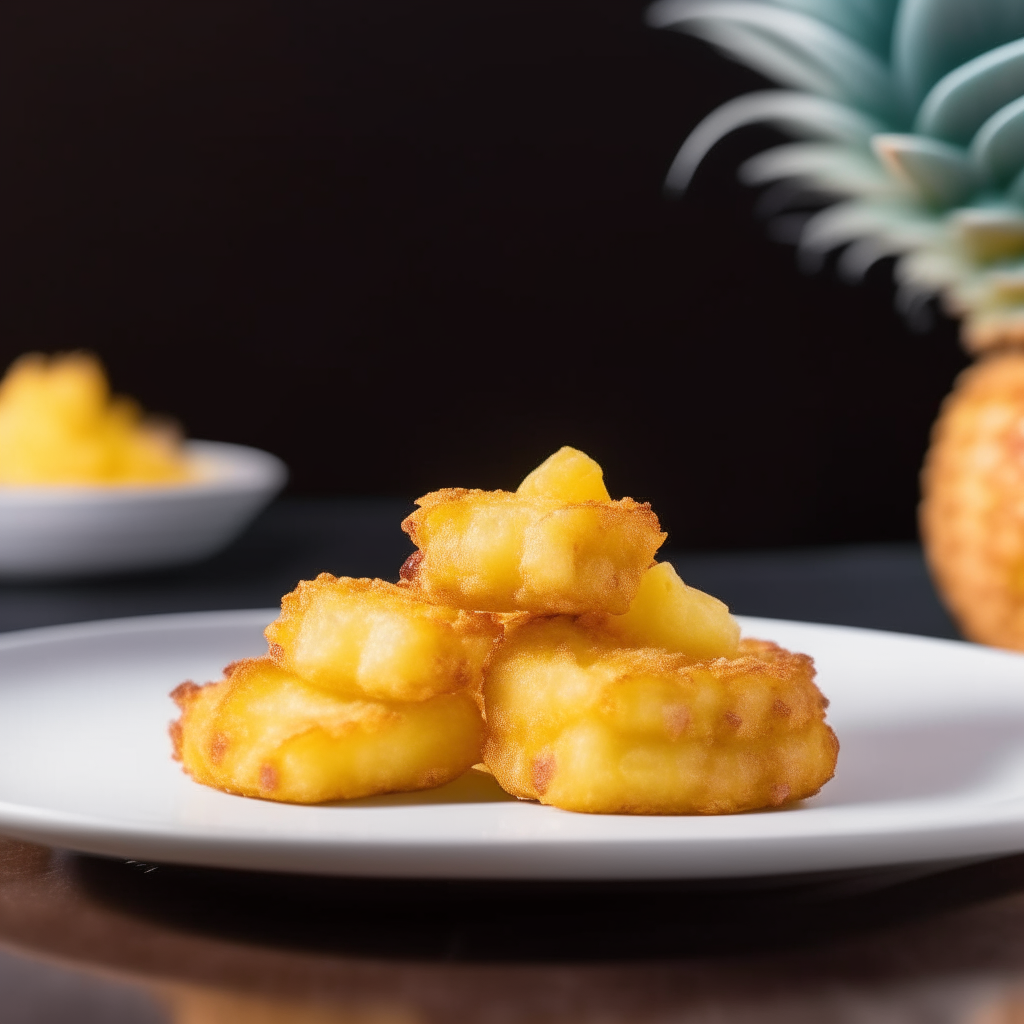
<point x="997" y="831"/>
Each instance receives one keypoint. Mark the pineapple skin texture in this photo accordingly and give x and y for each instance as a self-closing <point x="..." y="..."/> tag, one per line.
<point x="264" y="732"/>
<point x="369" y="639"/>
<point x="497" y="551"/>
<point x="972" y="508"/>
<point x="578" y="722"/>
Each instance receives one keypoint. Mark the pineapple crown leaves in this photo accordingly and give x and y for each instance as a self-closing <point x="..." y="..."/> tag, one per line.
<point x="911" y="114"/>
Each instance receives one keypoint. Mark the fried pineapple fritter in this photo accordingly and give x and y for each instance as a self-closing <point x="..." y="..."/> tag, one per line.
<point x="578" y="721"/>
<point x="264" y="732"/>
<point x="366" y="690"/>
<point x="372" y="639"/>
<point x="607" y="684"/>
<point x="558" y="545"/>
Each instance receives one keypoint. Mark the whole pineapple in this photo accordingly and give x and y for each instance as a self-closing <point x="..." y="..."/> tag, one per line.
<point x="911" y="120"/>
<point x="972" y="515"/>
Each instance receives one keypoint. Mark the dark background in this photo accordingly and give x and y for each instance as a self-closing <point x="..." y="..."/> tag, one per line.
<point x="407" y="244"/>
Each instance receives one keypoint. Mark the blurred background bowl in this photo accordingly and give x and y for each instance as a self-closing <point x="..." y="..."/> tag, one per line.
<point x="63" y="532"/>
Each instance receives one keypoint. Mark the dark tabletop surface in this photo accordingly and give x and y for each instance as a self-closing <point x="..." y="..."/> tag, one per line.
<point x="883" y="586"/>
<point x="95" y="940"/>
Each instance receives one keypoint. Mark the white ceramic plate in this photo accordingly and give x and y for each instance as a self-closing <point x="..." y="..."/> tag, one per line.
<point x="48" y="532"/>
<point x="931" y="769"/>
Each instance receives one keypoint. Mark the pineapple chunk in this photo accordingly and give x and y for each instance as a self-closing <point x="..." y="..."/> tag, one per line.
<point x="579" y="722"/>
<point x="371" y="639"/>
<point x="667" y="613"/>
<point x="569" y="475"/>
<point x="542" y="553"/>
<point x="264" y="732"/>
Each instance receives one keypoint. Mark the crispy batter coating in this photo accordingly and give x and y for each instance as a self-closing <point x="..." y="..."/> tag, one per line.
<point x="371" y="639"/>
<point x="608" y="685"/>
<point x="543" y="549"/>
<point x="263" y="732"/>
<point x="578" y="721"/>
<point x="59" y="424"/>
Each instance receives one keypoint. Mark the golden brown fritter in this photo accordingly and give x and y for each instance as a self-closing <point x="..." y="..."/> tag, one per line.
<point x="543" y="549"/>
<point x="608" y="684"/>
<point x="366" y="690"/>
<point x="263" y="732"/>
<point x="578" y="721"/>
<point x="372" y="639"/>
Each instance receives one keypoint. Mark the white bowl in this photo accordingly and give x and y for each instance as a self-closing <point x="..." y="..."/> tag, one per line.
<point x="55" y="531"/>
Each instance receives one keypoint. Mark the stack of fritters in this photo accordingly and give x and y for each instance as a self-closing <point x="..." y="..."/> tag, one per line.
<point x="366" y="689"/>
<point x="534" y="632"/>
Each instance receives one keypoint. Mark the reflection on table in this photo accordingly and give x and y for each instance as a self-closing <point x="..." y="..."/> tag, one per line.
<point x="138" y="943"/>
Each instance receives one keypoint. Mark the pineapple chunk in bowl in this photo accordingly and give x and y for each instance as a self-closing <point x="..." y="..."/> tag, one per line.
<point x="89" y="484"/>
<point x="52" y="531"/>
